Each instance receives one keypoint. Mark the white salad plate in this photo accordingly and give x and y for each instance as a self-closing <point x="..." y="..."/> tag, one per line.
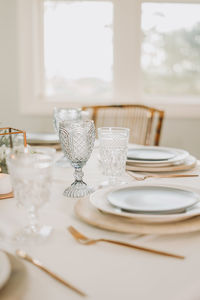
<point x="150" y="153"/>
<point x="152" y="199"/>
<point x="189" y="163"/>
<point x="42" y="138"/>
<point x="154" y="156"/>
<point x="5" y="268"/>
<point x="99" y="200"/>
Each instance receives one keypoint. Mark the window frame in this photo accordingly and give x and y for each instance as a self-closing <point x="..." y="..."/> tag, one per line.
<point x="126" y="56"/>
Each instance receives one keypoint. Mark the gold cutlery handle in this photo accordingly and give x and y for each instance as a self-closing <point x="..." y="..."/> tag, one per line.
<point x="143" y="248"/>
<point x="38" y="264"/>
<point x="175" y="175"/>
<point x="143" y="177"/>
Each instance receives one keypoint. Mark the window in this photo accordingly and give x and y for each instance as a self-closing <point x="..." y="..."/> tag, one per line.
<point x="82" y="52"/>
<point x="171" y="49"/>
<point x="78" y="49"/>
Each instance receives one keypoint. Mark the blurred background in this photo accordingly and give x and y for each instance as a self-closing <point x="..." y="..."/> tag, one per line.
<point x="74" y="53"/>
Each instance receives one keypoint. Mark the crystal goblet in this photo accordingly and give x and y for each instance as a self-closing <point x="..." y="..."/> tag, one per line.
<point x="77" y="140"/>
<point x="60" y="115"/>
<point x="31" y="174"/>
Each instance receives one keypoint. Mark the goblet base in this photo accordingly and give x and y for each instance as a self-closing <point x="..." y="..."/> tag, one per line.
<point x="78" y="189"/>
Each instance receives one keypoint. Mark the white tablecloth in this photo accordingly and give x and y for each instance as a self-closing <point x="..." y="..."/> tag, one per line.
<point x="103" y="271"/>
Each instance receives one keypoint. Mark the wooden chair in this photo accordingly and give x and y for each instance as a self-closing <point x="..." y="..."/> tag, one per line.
<point x="145" y="122"/>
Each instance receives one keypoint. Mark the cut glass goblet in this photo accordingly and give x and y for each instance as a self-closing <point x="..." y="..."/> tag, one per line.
<point x="77" y="141"/>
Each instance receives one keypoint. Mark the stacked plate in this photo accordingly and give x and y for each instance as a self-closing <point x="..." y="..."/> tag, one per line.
<point x="159" y="159"/>
<point x="5" y="270"/>
<point x="43" y="139"/>
<point x="148" y="203"/>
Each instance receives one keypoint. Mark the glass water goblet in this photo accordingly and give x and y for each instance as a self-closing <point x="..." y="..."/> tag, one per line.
<point x="61" y="115"/>
<point x="31" y="175"/>
<point x="113" y="146"/>
<point x="77" y="140"/>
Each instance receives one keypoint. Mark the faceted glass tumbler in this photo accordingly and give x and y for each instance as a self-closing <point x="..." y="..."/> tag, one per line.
<point x="113" y="145"/>
<point x="77" y="141"/>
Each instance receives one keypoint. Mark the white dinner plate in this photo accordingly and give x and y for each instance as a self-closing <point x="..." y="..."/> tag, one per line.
<point x="99" y="200"/>
<point x="42" y="138"/>
<point x="5" y="268"/>
<point x="188" y="164"/>
<point x="146" y="155"/>
<point x="152" y="199"/>
<point x="150" y="153"/>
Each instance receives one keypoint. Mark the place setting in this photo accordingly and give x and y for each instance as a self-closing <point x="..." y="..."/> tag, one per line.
<point x="119" y="204"/>
<point x="159" y="159"/>
<point x="124" y="205"/>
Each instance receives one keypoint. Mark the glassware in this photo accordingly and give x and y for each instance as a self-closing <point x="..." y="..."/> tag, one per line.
<point x="31" y="179"/>
<point x="9" y="138"/>
<point x="77" y="140"/>
<point x="65" y="114"/>
<point x="113" y="145"/>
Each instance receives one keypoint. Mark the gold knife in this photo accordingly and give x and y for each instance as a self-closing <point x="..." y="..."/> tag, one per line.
<point x="22" y="254"/>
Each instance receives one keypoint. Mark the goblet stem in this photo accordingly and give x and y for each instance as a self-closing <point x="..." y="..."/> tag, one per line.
<point x="33" y="220"/>
<point x="78" y="174"/>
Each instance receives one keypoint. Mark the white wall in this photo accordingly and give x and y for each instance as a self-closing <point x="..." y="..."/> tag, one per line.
<point x="180" y="133"/>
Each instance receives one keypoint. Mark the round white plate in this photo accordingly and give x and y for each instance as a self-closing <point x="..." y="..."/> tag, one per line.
<point x="99" y="201"/>
<point x="5" y="268"/>
<point x="165" y="156"/>
<point x="150" y="153"/>
<point x="152" y="199"/>
<point x="189" y="163"/>
<point x="42" y="138"/>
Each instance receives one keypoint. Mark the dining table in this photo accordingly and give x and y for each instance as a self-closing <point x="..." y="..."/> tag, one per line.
<point x="102" y="271"/>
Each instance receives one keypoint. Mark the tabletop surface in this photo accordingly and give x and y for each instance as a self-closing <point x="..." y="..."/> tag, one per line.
<point x="102" y="271"/>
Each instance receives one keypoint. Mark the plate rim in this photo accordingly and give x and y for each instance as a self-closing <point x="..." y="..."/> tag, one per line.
<point x="156" y="148"/>
<point x="36" y="137"/>
<point x="100" y="195"/>
<point x="159" y="211"/>
<point x="189" y="163"/>
<point x="6" y="271"/>
<point x="181" y="154"/>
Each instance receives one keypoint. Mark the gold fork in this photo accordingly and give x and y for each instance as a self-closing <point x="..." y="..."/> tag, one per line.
<point x="82" y="239"/>
<point x="140" y="178"/>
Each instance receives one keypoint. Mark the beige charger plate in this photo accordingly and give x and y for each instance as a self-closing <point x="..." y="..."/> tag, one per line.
<point x="90" y="215"/>
<point x="189" y="163"/>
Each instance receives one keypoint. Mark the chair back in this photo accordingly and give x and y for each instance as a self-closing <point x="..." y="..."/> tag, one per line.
<point x="144" y="122"/>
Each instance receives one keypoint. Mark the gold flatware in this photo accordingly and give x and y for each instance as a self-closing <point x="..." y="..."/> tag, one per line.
<point x="6" y="196"/>
<point x="140" y="178"/>
<point x="82" y="239"/>
<point x="22" y="254"/>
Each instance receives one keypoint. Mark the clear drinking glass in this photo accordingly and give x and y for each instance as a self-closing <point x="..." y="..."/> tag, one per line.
<point x="77" y="140"/>
<point x="65" y="114"/>
<point x="113" y="145"/>
<point x="31" y="175"/>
